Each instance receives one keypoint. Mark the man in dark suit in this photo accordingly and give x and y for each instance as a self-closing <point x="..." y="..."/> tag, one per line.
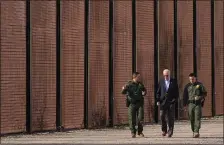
<point x="167" y="95"/>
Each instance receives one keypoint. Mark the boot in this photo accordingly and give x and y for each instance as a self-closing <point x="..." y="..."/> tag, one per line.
<point x="141" y="134"/>
<point x="196" y="135"/>
<point x="133" y="135"/>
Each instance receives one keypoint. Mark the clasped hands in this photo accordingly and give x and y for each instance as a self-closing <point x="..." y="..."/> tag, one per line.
<point x="158" y="103"/>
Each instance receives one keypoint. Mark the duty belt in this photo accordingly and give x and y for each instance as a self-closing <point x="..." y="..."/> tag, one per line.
<point x="196" y="102"/>
<point x="136" y="101"/>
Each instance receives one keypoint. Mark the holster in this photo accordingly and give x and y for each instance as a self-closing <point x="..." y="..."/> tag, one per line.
<point x="196" y="102"/>
<point x="202" y="103"/>
<point x="127" y="102"/>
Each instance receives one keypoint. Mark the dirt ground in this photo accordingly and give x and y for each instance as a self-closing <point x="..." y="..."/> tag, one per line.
<point x="210" y="133"/>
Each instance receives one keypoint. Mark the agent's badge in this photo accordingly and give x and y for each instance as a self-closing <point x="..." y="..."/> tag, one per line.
<point x="196" y="97"/>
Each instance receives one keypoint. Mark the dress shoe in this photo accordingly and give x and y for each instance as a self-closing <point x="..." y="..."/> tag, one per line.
<point x="164" y="134"/>
<point x="170" y="133"/>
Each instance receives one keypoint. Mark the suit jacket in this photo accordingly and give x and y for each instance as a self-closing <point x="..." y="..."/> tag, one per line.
<point x="166" y="98"/>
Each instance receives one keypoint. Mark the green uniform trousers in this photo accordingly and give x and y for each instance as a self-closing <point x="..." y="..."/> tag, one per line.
<point x="195" y="113"/>
<point x="136" y="110"/>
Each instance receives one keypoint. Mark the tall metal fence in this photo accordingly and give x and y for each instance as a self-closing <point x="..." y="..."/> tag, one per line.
<point x="64" y="62"/>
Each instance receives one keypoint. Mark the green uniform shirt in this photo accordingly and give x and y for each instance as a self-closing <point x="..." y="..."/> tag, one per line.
<point x="134" y="91"/>
<point x="195" y="91"/>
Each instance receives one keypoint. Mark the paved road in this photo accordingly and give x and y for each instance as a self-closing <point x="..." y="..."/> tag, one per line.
<point x="211" y="133"/>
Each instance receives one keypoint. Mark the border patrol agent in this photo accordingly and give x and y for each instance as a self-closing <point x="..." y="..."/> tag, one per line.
<point x="194" y="97"/>
<point x="134" y="91"/>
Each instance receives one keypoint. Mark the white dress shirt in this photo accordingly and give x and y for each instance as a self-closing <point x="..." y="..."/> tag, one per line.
<point x="167" y="83"/>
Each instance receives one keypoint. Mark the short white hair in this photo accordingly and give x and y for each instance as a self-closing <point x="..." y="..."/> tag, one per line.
<point x="166" y="70"/>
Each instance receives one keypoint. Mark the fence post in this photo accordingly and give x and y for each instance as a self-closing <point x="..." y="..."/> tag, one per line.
<point x="111" y="67"/>
<point x="28" y="70"/>
<point x="195" y="35"/>
<point x="155" y="59"/>
<point x="58" y="67"/>
<point x="175" y="55"/>
<point x="213" y="56"/>
<point x="0" y="63"/>
<point x="133" y="35"/>
<point x="86" y="61"/>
